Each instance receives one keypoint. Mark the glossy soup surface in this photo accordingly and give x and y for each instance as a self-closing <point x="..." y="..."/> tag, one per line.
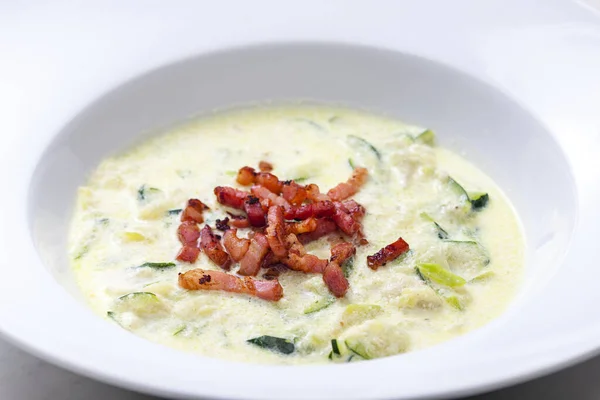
<point x="126" y="215"/>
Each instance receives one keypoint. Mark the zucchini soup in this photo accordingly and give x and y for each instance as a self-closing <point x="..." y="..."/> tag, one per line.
<point x="297" y="234"/>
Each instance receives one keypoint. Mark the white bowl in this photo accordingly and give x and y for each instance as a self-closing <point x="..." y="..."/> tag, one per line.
<point x="550" y="322"/>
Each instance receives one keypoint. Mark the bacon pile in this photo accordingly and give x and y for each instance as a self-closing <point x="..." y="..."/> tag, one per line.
<point x="283" y="216"/>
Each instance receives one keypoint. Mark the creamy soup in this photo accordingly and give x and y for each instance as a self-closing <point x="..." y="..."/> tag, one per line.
<point x="463" y="266"/>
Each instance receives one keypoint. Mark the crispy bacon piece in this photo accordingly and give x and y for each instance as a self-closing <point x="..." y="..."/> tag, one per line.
<point x="346" y="189"/>
<point x="276" y="231"/>
<point x="297" y="258"/>
<point x="199" y="279"/>
<point x="324" y="227"/>
<point x="238" y="221"/>
<point x="265" y="166"/>
<point x="251" y="262"/>
<point x="333" y="275"/>
<point x="188" y="254"/>
<point x="246" y="176"/>
<point x="308" y="225"/>
<point x="270" y="259"/>
<point x="235" y="246"/>
<point x="222" y="224"/>
<point x="295" y="194"/>
<point x="271" y="198"/>
<point x="319" y="209"/>
<point x="269" y="181"/>
<point x="231" y="197"/>
<point x="356" y="210"/>
<point x="347" y="222"/>
<point x="255" y="212"/>
<point x="193" y="211"/>
<point x="313" y="193"/>
<point x="274" y="271"/>
<point x="211" y="245"/>
<point x="387" y="254"/>
<point x="188" y="233"/>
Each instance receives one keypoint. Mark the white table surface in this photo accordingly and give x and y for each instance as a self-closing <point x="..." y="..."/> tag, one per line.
<point x="25" y="377"/>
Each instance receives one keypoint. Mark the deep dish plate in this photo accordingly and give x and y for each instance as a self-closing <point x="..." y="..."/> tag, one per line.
<point x="547" y="325"/>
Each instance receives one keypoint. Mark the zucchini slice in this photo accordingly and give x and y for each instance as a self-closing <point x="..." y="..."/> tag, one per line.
<point x="468" y="255"/>
<point x="354" y="314"/>
<point x="142" y="303"/>
<point x="438" y="274"/>
<point x="319" y="305"/>
<point x="157" y="265"/>
<point x="427" y="137"/>
<point x="441" y="232"/>
<point x="273" y="343"/>
<point x="478" y="200"/>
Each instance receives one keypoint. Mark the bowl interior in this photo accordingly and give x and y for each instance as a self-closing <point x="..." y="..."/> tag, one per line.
<point x="469" y="116"/>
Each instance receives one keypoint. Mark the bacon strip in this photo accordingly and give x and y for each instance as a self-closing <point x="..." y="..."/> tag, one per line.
<point x="269" y="181"/>
<point x="295" y="194"/>
<point x="246" y="176"/>
<point x="387" y="254"/>
<point x="346" y="221"/>
<point x="211" y="245"/>
<point x="188" y="233"/>
<point x="313" y="193"/>
<point x="333" y="275"/>
<point x="188" y="254"/>
<point x="231" y="197"/>
<point x="321" y="209"/>
<point x="252" y="260"/>
<point x="199" y="279"/>
<point x="324" y="227"/>
<point x="238" y="221"/>
<point x="271" y="198"/>
<point x="265" y="166"/>
<point x="351" y="186"/>
<point x="256" y="214"/>
<point x="298" y="260"/>
<point x="193" y="211"/>
<point x="276" y="231"/>
<point x="235" y="246"/>
<point x="306" y="226"/>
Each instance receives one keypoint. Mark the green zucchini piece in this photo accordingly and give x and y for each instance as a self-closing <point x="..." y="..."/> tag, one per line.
<point x="360" y="143"/>
<point x="230" y="172"/>
<point x="427" y="137"/>
<point x="300" y="179"/>
<point x="438" y="274"/>
<point x="156" y="265"/>
<point x="441" y="232"/>
<point x="466" y="255"/>
<point x="335" y="349"/>
<point x="348" y="267"/>
<point x="179" y="330"/>
<point x="319" y="305"/>
<point x="483" y="277"/>
<point x="451" y="299"/>
<point x="358" y="348"/>
<point x="145" y="193"/>
<point x="458" y="189"/>
<point x="139" y="303"/>
<point x="351" y="163"/>
<point x="174" y="211"/>
<point x="273" y="343"/>
<point x="354" y="314"/>
<point x="479" y="200"/>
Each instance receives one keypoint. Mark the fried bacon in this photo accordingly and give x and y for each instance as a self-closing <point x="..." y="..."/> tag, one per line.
<point x="274" y="271"/>
<point x="211" y="245"/>
<point x="246" y="176"/>
<point x="320" y="209"/>
<point x="276" y="231"/>
<point x="231" y="197"/>
<point x="295" y="194"/>
<point x="188" y="254"/>
<point x="238" y="221"/>
<point x="306" y="226"/>
<point x="347" y="222"/>
<point x="271" y="198"/>
<point x="269" y="181"/>
<point x="251" y="262"/>
<point x="235" y="246"/>
<point x="346" y="189"/>
<point x="255" y="212"/>
<point x="387" y="254"/>
<point x="333" y="275"/>
<point x="313" y="193"/>
<point x="324" y="227"/>
<point x="222" y="224"/>
<point x="188" y="233"/>
<point x="297" y="258"/>
<point x="193" y="211"/>
<point x="265" y="166"/>
<point x="199" y="279"/>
